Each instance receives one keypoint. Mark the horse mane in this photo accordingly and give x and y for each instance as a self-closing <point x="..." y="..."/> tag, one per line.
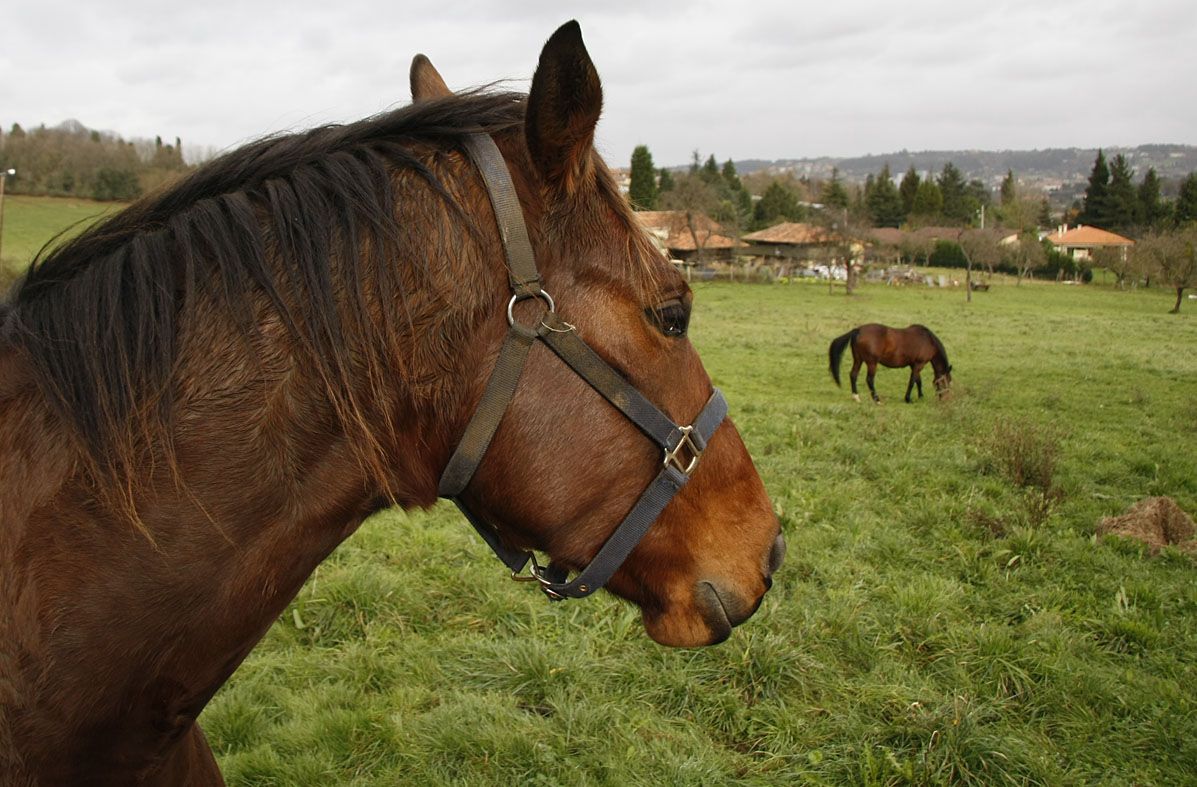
<point x="99" y="315"/>
<point x="943" y="353"/>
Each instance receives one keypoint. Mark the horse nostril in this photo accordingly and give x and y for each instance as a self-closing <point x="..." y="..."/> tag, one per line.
<point x="776" y="555"/>
<point x="768" y="583"/>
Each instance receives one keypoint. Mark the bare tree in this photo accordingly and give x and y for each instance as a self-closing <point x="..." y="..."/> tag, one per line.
<point x="980" y="248"/>
<point x="1117" y="261"/>
<point x="915" y="247"/>
<point x="695" y="198"/>
<point x="850" y="237"/>
<point x="1172" y="256"/>
<point x="1027" y="255"/>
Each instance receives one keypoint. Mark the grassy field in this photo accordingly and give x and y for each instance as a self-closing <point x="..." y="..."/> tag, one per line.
<point x="31" y="221"/>
<point x="945" y="614"/>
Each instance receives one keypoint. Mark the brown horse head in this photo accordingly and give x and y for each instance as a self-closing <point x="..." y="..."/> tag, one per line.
<point x="943" y="381"/>
<point x="565" y="466"/>
<point x="205" y="393"/>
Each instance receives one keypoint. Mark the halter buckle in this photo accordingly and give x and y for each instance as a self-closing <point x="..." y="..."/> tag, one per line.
<point x="536" y="574"/>
<point x="683" y="464"/>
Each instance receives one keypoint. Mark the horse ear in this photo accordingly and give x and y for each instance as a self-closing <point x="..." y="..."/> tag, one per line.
<point x="426" y="82"/>
<point x="563" y="107"/>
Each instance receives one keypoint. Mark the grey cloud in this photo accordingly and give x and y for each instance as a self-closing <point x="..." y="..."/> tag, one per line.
<point x="762" y="79"/>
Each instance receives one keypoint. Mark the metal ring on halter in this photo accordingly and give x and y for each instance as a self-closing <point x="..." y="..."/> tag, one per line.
<point x="548" y="299"/>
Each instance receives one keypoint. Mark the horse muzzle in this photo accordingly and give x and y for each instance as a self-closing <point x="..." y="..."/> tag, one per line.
<point x="716" y="606"/>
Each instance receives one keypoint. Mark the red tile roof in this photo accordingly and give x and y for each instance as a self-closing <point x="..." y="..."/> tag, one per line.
<point x="1087" y="237"/>
<point x="793" y="233"/>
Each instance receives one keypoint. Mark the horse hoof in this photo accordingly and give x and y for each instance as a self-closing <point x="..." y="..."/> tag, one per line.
<point x="856" y="397"/>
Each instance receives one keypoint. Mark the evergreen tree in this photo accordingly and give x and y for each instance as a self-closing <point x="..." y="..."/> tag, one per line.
<point x="908" y="188"/>
<point x="951" y="189"/>
<point x="928" y="200"/>
<point x="710" y="171"/>
<point x="730" y="177"/>
<point x="1123" y="202"/>
<point x="664" y="181"/>
<point x="1185" y="210"/>
<point x="884" y="203"/>
<point x="1045" y="213"/>
<point x="1009" y="188"/>
<point x="778" y="203"/>
<point x="976" y="196"/>
<point x="1095" y="209"/>
<point x="834" y="195"/>
<point x="643" y="188"/>
<point x="1151" y="211"/>
<point x="738" y="195"/>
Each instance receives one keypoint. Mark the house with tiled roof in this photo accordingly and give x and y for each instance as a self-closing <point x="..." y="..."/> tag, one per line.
<point x="791" y="240"/>
<point x="793" y="233"/>
<point x="685" y="233"/>
<point x="1081" y="241"/>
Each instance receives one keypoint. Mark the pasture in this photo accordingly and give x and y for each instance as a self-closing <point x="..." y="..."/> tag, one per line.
<point x="945" y="613"/>
<point x="936" y="620"/>
<point x="29" y="222"/>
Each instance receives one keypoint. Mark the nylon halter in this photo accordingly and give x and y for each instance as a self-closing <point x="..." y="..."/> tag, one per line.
<point x="682" y="446"/>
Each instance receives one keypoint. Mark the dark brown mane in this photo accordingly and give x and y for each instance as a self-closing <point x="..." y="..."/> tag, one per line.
<point x="943" y="353"/>
<point x="99" y="316"/>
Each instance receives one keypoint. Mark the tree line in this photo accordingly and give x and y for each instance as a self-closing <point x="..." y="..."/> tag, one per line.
<point x="1165" y="230"/>
<point x="1113" y="202"/>
<point x="71" y="160"/>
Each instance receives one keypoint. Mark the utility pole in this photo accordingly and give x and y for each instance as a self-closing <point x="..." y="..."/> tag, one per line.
<point x="3" y="177"/>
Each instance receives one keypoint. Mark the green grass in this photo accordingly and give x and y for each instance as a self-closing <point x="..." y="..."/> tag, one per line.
<point x="941" y="617"/>
<point x="945" y="614"/>
<point x="31" y="221"/>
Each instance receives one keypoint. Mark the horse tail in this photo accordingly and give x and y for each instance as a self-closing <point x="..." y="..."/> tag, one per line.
<point x="836" y="351"/>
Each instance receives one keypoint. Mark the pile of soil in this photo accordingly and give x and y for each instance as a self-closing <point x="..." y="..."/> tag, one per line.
<point x="1157" y="522"/>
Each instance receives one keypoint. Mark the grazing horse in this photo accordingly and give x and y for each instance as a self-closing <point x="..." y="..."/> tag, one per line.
<point x="915" y="346"/>
<point x="203" y="395"/>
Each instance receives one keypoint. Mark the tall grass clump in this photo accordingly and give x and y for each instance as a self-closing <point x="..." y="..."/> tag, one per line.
<point x="1025" y="452"/>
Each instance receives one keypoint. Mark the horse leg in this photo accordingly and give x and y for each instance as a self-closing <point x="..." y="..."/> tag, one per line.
<point x="854" y="374"/>
<point x="910" y="385"/>
<point x="869" y="379"/>
<point x="916" y="372"/>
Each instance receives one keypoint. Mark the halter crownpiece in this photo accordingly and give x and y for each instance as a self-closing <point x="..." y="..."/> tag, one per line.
<point x="682" y="446"/>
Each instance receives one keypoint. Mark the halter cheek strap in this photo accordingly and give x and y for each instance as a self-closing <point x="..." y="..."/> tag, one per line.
<point x="682" y="446"/>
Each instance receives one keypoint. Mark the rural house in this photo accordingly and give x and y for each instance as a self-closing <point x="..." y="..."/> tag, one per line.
<point x="1081" y="242"/>
<point x="686" y="234"/>
<point x="792" y="242"/>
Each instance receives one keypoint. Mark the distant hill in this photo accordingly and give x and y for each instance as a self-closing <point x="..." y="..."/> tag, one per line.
<point x="1061" y="170"/>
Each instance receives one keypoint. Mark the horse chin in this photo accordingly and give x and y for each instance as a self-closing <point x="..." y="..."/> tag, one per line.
<point x="707" y="619"/>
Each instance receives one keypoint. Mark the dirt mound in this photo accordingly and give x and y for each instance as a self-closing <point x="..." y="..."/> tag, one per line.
<point x="1157" y="522"/>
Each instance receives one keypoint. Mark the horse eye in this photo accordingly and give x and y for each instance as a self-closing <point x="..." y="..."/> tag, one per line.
<point x="672" y="318"/>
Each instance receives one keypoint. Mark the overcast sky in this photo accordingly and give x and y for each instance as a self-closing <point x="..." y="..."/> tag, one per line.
<point x="738" y="79"/>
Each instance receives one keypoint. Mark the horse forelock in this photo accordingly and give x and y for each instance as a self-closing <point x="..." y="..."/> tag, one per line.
<point x="278" y="224"/>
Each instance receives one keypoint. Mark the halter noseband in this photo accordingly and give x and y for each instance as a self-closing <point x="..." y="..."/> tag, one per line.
<point x="682" y="445"/>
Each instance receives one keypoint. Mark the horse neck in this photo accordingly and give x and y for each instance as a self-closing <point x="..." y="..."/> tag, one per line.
<point x="262" y="480"/>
